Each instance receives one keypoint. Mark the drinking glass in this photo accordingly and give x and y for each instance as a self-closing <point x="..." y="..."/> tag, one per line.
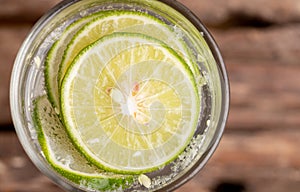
<point x="27" y="83"/>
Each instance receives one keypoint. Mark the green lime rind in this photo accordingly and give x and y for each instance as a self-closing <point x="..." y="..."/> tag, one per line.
<point x="170" y="37"/>
<point x="65" y="115"/>
<point x="63" y="156"/>
<point x="50" y="77"/>
<point x="55" y="56"/>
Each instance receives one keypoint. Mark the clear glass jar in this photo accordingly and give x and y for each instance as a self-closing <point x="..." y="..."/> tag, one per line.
<point x="27" y="83"/>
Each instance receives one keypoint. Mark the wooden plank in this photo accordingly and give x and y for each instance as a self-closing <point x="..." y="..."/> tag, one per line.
<point x="11" y="38"/>
<point x="266" y="149"/>
<point x="20" y="11"/>
<point x="233" y="13"/>
<point x="17" y="173"/>
<point x="268" y="161"/>
<point x="264" y="96"/>
<point x="213" y="12"/>
<point x="215" y="178"/>
<point x="276" y="45"/>
<point x="265" y="161"/>
<point x="263" y="68"/>
<point x="259" y="151"/>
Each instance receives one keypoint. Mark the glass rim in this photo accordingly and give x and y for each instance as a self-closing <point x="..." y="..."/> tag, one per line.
<point x="16" y="96"/>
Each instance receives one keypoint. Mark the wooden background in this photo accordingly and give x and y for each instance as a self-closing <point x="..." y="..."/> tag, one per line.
<point x="260" y="42"/>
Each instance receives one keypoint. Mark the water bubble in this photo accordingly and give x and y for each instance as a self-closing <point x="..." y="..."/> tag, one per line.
<point x="208" y="123"/>
<point x="37" y="61"/>
<point x="83" y="13"/>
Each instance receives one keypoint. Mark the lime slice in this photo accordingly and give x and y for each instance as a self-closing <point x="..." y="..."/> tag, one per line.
<point x="110" y="22"/>
<point x="129" y="103"/>
<point x="55" y="55"/>
<point x="63" y="156"/>
<point x="126" y="21"/>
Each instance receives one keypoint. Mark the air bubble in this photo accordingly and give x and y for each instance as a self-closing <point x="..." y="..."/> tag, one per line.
<point x="208" y="123"/>
<point x="83" y="13"/>
<point x="37" y="61"/>
<point x="200" y="58"/>
<point x="56" y="110"/>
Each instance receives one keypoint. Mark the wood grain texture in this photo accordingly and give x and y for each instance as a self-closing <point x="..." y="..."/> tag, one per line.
<point x="263" y="67"/>
<point x="230" y="13"/>
<point x="11" y="38"/>
<point x="19" y="11"/>
<point x="259" y="151"/>
<point x="265" y="161"/>
<point x="258" y="162"/>
<point x="17" y="173"/>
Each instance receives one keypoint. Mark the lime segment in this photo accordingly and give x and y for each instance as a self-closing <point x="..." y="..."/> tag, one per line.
<point x="129" y="103"/>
